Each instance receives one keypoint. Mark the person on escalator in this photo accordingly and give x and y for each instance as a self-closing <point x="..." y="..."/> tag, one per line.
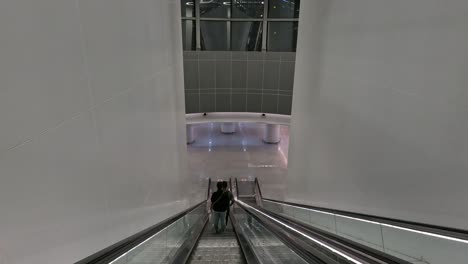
<point x="219" y="205"/>
<point x="231" y="199"/>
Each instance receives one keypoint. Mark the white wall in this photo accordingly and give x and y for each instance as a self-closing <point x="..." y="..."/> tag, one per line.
<point x="92" y="135"/>
<point x="380" y="109"/>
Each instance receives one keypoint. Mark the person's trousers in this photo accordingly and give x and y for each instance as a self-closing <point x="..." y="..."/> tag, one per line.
<point x="219" y="219"/>
<point x="227" y="216"/>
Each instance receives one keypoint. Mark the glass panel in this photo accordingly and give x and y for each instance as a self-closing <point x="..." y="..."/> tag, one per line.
<point x="214" y="35"/>
<point x="246" y="36"/>
<point x="268" y="248"/>
<point x="187" y="8"/>
<point x="411" y="245"/>
<point x="214" y="8"/>
<point x="175" y="236"/>
<point x="283" y="8"/>
<point x="246" y="188"/>
<point x="156" y="247"/>
<point x="188" y="35"/>
<point x="247" y="8"/>
<point x="162" y="247"/>
<point x="282" y="36"/>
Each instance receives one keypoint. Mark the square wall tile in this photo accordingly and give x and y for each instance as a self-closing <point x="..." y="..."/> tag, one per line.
<point x="271" y="75"/>
<point x="223" y="74"/>
<point x="273" y="56"/>
<point x="239" y="102"/>
<point x="207" y="103"/>
<point x="207" y="91"/>
<point x="239" y="74"/>
<point x="239" y="55"/>
<point x="282" y="92"/>
<point x="286" y="75"/>
<point x="255" y="55"/>
<point x="269" y="104"/>
<point x="254" y="103"/>
<point x="207" y="74"/>
<point x="288" y="56"/>
<point x="206" y="55"/>
<point x="223" y="91"/>
<point x="223" y="55"/>
<point x="192" y="103"/>
<point x="255" y="75"/>
<point x="223" y="102"/>
<point x="255" y="91"/>
<point x="284" y="105"/>
<point x="191" y="75"/>
<point x="190" y="55"/>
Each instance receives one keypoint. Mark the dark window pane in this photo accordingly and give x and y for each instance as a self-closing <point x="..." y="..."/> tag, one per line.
<point x="187" y="8"/>
<point x="214" y="8"/>
<point x="282" y="36"/>
<point x="283" y="8"/>
<point x="214" y="35"/>
<point x="188" y="34"/>
<point x="246" y="36"/>
<point x="247" y="8"/>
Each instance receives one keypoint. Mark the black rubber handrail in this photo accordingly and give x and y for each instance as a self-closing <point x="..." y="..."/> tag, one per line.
<point x="424" y="227"/>
<point x="439" y="230"/>
<point x="345" y="245"/>
<point x="248" y="252"/>
<point x="209" y="189"/>
<point x="237" y="189"/>
<point x="306" y="251"/>
<point x="116" y="250"/>
<point x="186" y="249"/>
<point x="258" y="187"/>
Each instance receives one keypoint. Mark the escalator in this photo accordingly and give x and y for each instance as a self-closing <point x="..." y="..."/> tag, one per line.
<point x="245" y="240"/>
<point x="217" y="248"/>
<point x="253" y="235"/>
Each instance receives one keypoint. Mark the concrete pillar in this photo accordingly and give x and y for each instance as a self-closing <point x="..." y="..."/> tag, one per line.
<point x="190" y="134"/>
<point x="271" y="134"/>
<point x="228" y="128"/>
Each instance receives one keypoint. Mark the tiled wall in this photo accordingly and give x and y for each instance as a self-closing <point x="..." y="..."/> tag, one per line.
<point x="219" y="81"/>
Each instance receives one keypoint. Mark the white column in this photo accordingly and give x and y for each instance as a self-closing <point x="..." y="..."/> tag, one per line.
<point x="271" y="134"/>
<point x="228" y="128"/>
<point x="190" y="134"/>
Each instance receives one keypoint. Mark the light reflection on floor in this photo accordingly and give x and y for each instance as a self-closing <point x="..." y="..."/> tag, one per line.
<point x="242" y="155"/>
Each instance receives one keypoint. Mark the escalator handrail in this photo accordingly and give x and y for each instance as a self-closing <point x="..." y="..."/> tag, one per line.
<point x="258" y="187"/>
<point x="309" y="254"/>
<point x="346" y="245"/>
<point x="209" y="189"/>
<point x="186" y="249"/>
<point x="237" y="189"/>
<point x="423" y="227"/>
<point x="247" y="251"/>
<point x="120" y="248"/>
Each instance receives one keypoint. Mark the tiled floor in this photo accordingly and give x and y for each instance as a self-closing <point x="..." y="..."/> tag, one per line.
<point x="242" y="155"/>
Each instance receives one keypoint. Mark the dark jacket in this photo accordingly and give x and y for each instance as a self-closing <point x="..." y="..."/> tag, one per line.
<point x="220" y="201"/>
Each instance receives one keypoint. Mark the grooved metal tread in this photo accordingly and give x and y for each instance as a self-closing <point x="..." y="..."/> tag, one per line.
<point x="217" y="248"/>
